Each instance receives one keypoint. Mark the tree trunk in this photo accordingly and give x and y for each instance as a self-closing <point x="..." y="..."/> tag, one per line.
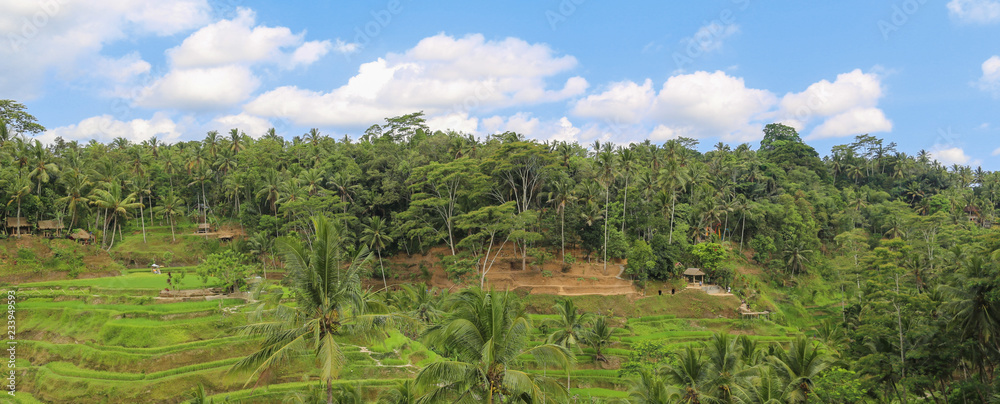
<point x="625" y="203"/>
<point x="673" y="204"/>
<point x="607" y="201"/>
<point x="172" y="235"/>
<point x="562" y="233"/>
<point x="385" y="285"/>
<point x="329" y="391"/>
<point x="142" y="215"/>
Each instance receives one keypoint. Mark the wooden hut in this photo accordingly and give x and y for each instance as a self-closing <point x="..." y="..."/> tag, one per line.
<point x="82" y="236"/>
<point x="18" y="225"/>
<point x="225" y="237"/>
<point x="50" y="228"/>
<point x="693" y="275"/>
<point x="204" y="228"/>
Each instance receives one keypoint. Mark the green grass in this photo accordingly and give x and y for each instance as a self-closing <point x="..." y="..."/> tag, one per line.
<point x="140" y="281"/>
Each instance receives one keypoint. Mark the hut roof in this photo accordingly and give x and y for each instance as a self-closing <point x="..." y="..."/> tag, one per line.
<point x="204" y="226"/>
<point x="50" y="225"/>
<point x="17" y="222"/>
<point x="80" y="234"/>
<point x="693" y="272"/>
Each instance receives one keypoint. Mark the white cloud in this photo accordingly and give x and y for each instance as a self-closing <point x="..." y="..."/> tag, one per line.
<point x="253" y="126"/>
<point x="239" y="41"/>
<point x="703" y="104"/>
<point x="106" y="128"/>
<point x="441" y="75"/>
<point x="951" y="155"/>
<point x="846" y="107"/>
<point x="38" y="37"/>
<point x="975" y="11"/>
<point x="990" y="81"/>
<point x="623" y="102"/>
<point x="123" y="69"/>
<point x="853" y="122"/>
<point x="459" y="122"/>
<point x="199" y="88"/>
<point x="561" y="130"/>
<point x="996" y="152"/>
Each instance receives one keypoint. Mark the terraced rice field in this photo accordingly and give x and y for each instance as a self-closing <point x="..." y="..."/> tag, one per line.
<point x="110" y="340"/>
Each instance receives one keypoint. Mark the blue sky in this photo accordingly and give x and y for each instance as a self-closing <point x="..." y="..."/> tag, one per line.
<point x="923" y="74"/>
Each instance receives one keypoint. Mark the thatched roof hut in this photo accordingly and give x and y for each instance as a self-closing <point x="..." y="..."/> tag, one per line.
<point x="693" y="274"/>
<point x="81" y="235"/>
<point x="204" y="228"/>
<point x="18" y="225"/>
<point x="50" y="225"/>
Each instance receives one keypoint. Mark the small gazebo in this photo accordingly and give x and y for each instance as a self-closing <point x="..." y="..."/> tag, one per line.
<point x="82" y="235"/>
<point x="204" y="228"/>
<point x="50" y="228"/>
<point x="693" y="273"/>
<point x="18" y="226"/>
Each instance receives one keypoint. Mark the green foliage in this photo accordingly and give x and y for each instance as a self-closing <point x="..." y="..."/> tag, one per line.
<point x="229" y="266"/>
<point x="708" y="256"/>
<point x="840" y="386"/>
<point x="641" y="260"/>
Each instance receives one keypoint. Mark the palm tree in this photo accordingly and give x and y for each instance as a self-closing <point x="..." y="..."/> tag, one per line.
<point x="690" y="372"/>
<point x="483" y="335"/>
<point x="651" y="389"/>
<point x="21" y="189"/>
<point x="606" y="164"/>
<point x="561" y="196"/>
<point x="402" y="393"/>
<point x="599" y="337"/>
<point x="212" y="142"/>
<point x="117" y="206"/>
<point x="142" y="188"/>
<point x="376" y="236"/>
<point x="271" y="190"/>
<point x="766" y="387"/>
<point x="43" y="165"/>
<point x="798" y="255"/>
<point x="75" y="185"/>
<point x="329" y="302"/>
<point x="236" y="141"/>
<point x="169" y="208"/>
<point x="568" y="327"/>
<point x="626" y="156"/>
<point x="798" y="366"/>
<point x="974" y="314"/>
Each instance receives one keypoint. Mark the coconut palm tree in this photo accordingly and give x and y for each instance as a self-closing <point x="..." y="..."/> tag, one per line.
<point x="606" y="166"/>
<point x="482" y="337"/>
<point x="376" y="236"/>
<point x="402" y="393"/>
<point x="328" y="302"/>
<point x="117" y="206"/>
<point x="649" y="388"/>
<point x="599" y="337"/>
<point x="567" y="327"/>
<point x="43" y="166"/>
<point x="75" y="184"/>
<point x="691" y="374"/>
<point x="169" y="208"/>
<point x="271" y="190"/>
<point x="798" y="256"/>
<point x="561" y="196"/>
<point x="799" y="366"/>
<point x="20" y="189"/>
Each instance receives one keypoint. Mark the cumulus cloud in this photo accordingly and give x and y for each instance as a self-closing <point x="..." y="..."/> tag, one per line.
<point x="200" y="88"/>
<point x="239" y="40"/>
<point x="123" y="69"/>
<point x="253" y="126"/>
<point x="441" y="75"/>
<point x="703" y="104"/>
<point x="975" y="11"/>
<point x="105" y="128"/>
<point x="623" y="102"/>
<point x="458" y="121"/>
<point x="59" y="35"/>
<point x="952" y="155"/>
<point x="990" y="81"/>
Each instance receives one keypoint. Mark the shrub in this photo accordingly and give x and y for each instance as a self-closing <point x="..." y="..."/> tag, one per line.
<point x="547" y="274"/>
